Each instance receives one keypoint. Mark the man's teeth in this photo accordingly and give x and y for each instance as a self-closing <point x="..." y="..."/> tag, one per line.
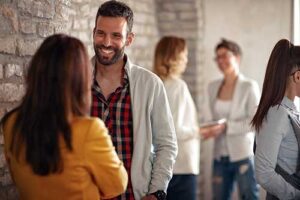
<point x="106" y="51"/>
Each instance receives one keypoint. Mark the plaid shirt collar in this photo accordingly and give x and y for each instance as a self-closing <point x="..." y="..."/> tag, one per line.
<point x="127" y="67"/>
<point x="125" y="81"/>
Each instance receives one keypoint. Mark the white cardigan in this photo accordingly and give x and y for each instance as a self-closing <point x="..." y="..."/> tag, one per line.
<point x="186" y="126"/>
<point x="154" y="139"/>
<point x="239" y="134"/>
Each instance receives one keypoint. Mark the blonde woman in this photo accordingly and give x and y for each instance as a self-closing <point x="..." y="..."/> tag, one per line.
<point x="169" y="63"/>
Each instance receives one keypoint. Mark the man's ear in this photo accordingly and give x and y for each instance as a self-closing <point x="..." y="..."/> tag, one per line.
<point x="129" y="39"/>
<point x="297" y="76"/>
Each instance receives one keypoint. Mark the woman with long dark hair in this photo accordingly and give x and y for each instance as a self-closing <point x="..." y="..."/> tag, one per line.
<point x="54" y="150"/>
<point x="276" y="143"/>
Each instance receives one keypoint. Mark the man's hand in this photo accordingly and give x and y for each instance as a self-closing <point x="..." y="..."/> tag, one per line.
<point x="149" y="197"/>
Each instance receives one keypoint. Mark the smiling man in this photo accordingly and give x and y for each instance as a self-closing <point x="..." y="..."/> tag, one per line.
<point x="133" y="104"/>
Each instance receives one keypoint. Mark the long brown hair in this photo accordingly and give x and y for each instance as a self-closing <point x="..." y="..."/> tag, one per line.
<point x="167" y="56"/>
<point x="284" y="57"/>
<point x="58" y="87"/>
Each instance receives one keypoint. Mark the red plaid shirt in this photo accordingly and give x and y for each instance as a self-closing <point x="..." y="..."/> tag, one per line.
<point x="117" y="115"/>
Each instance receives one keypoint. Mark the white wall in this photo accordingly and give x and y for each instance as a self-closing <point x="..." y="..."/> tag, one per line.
<point x="256" y="25"/>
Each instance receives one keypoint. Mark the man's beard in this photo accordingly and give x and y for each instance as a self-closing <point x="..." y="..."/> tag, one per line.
<point x="118" y="53"/>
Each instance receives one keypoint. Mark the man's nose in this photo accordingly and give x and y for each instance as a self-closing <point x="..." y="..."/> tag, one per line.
<point x="107" y="41"/>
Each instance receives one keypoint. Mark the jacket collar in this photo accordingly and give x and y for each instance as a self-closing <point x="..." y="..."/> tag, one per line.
<point x="286" y="102"/>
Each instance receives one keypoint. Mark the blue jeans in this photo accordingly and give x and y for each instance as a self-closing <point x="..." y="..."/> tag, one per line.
<point x="226" y="173"/>
<point x="182" y="187"/>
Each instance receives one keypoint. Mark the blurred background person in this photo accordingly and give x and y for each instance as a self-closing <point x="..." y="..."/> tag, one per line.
<point x="170" y="60"/>
<point x="53" y="149"/>
<point x="233" y="98"/>
<point x="276" y="141"/>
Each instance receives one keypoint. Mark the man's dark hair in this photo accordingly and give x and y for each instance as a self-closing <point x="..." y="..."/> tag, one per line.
<point x="114" y="8"/>
<point x="230" y="45"/>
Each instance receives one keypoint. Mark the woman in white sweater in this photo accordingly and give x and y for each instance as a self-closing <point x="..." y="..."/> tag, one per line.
<point x="169" y="63"/>
<point x="235" y="98"/>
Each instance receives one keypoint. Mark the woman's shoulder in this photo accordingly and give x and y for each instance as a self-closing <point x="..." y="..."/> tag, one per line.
<point x="278" y="116"/>
<point x="87" y="121"/>
<point x="175" y="81"/>
<point x="87" y="128"/>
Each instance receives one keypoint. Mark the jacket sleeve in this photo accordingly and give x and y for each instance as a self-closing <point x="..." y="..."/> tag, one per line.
<point x="164" y="140"/>
<point x="268" y="142"/>
<point x="103" y="163"/>
<point x="242" y="125"/>
<point x="184" y="114"/>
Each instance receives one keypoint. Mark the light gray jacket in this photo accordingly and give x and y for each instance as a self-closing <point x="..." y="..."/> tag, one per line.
<point x="239" y="135"/>
<point x="276" y="143"/>
<point x="154" y="138"/>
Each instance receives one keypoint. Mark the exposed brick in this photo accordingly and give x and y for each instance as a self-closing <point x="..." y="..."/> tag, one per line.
<point x="9" y="70"/>
<point x="10" y="92"/>
<point x="6" y="26"/>
<point x="167" y="16"/>
<point x="25" y="6"/>
<point x="12" y="193"/>
<point x="80" y="24"/>
<point x="84" y="36"/>
<point x="2" y="156"/>
<point x="45" y="29"/>
<point x="62" y="11"/>
<point x="11" y="15"/>
<point x="3" y="193"/>
<point x="1" y="131"/>
<point x="140" y="6"/>
<point x="13" y="69"/>
<point x="85" y="10"/>
<point x="141" y="41"/>
<point x="178" y="6"/>
<point x="1" y="71"/>
<point x="6" y="179"/>
<point x="144" y="18"/>
<point x="18" y="70"/>
<point x="94" y="11"/>
<point x="90" y="50"/>
<point x="61" y="28"/>
<point x="78" y="1"/>
<point x="28" y="47"/>
<point x="43" y="9"/>
<point x="65" y="2"/>
<point x="8" y="45"/>
<point x="91" y="24"/>
<point x="27" y="26"/>
<point x="188" y="15"/>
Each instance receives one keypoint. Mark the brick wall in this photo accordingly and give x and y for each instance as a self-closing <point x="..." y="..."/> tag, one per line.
<point x="25" y="23"/>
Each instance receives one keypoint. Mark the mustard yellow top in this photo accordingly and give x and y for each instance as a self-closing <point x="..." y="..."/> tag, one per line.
<point x="92" y="170"/>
